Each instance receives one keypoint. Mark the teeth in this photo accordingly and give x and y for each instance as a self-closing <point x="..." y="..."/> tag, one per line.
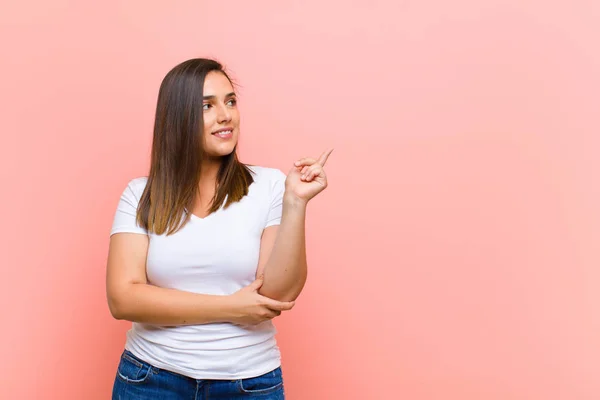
<point x="223" y="133"/>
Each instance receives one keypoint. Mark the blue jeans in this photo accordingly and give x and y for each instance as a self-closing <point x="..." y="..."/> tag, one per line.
<point x="138" y="380"/>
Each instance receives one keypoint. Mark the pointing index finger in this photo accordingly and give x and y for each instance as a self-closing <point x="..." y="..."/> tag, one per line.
<point x="323" y="159"/>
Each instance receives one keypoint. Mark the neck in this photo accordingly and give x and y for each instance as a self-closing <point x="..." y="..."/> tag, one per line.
<point x="209" y="171"/>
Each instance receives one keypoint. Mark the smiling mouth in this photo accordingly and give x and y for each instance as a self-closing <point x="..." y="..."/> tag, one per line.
<point x="223" y="133"/>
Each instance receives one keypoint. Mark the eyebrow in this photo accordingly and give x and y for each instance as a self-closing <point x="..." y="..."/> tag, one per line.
<point x="213" y="96"/>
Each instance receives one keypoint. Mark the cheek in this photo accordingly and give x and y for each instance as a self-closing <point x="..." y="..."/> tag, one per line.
<point x="207" y="126"/>
<point x="235" y="116"/>
<point x="207" y="123"/>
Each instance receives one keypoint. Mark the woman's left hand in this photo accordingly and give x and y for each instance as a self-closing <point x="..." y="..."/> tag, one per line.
<point x="307" y="178"/>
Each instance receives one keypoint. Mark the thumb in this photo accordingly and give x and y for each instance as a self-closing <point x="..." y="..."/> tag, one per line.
<point x="256" y="284"/>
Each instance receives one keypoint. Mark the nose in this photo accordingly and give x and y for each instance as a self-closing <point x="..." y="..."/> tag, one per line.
<point x="224" y="115"/>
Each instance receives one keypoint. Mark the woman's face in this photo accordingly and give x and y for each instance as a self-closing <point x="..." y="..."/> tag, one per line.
<point x="221" y="115"/>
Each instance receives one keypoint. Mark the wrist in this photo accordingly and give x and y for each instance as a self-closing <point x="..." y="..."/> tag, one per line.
<point x="293" y="201"/>
<point x="228" y="308"/>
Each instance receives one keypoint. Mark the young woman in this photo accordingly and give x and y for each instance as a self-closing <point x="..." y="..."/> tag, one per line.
<point x="206" y="251"/>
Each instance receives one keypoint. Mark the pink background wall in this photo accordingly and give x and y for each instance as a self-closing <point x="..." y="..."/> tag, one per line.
<point x="455" y="253"/>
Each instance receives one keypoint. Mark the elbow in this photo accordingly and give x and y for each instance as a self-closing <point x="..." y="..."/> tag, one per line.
<point x="280" y="295"/>
<point x="116" y="308"/>
<point x="122" y="303"/>
<point x="281" y="290"/>
<point x="290" y="295"/>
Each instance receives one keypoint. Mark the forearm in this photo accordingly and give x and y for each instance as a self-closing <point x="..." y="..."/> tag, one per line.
<point x="286" y="270"/>
<point x="161" y="306"/>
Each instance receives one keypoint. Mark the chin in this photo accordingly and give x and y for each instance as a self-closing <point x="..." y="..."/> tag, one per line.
<point x="220" y="152"/>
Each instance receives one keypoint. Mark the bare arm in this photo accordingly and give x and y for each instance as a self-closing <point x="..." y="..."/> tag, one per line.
<point x="131" y="298"/>
<point x="283" y="254"/>
<point x="283" y="260"/>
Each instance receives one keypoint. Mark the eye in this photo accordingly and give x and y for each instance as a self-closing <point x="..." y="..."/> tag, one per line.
<point x="206" y="106"/>
<point x="232" y="102"/>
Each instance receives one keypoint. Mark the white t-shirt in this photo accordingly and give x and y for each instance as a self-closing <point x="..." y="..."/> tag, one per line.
<point x="213" y="255"/>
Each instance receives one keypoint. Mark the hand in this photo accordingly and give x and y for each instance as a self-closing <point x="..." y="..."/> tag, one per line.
<point x="307" y="178"/>
<point x="250" y="308"/>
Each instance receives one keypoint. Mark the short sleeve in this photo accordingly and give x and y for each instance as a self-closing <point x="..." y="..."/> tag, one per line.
<point x="125" y="216"/>
<point x="276" y="199"/>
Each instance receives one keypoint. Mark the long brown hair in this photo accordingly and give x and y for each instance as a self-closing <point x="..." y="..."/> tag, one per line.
<point x="177" y="151"/>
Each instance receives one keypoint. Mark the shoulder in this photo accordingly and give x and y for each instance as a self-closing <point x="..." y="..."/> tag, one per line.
<point x="136" y="186"/>
<point x="266" y="174"/>
<point x="268" y="181"/>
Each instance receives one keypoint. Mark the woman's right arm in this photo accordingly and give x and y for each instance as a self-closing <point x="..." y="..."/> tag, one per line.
<point x="131" y="298"/>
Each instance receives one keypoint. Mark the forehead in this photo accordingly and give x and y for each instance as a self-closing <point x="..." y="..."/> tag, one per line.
<point x="216" y="83"/>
